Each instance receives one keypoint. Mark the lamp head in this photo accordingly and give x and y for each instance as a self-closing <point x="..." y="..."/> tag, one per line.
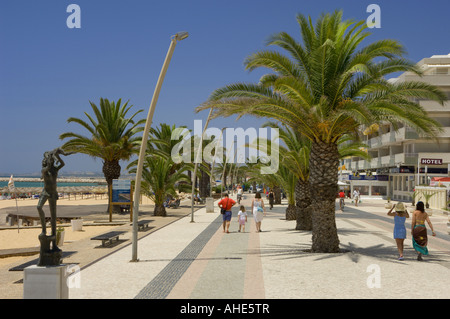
<point x="181" y="35"/>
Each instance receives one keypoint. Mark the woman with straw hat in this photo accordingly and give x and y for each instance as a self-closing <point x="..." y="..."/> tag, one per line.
<point x="400" y="216"/>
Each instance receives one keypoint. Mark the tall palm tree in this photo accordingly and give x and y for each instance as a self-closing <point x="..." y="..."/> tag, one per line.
<point x="112" y="136"/>
<point x="295" y="156"/>
<point x="326" y="87"/>
<point x="161" y="176"/>
<point x="160" y="179"/>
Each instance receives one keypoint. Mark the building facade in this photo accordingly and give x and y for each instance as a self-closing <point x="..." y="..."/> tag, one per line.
<point x="401" y="159"/>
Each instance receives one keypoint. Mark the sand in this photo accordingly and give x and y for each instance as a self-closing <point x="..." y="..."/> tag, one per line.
<point x="28" y="237"/>
<point x="25" y="238"/>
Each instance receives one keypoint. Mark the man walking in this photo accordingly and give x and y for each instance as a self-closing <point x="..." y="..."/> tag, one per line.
<point x="226" y="204"/>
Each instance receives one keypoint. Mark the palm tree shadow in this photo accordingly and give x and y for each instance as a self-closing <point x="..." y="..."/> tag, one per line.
<point x="350" y="250"/>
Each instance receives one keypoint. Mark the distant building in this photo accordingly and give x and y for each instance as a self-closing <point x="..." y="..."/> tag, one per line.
<point x="402" y="159"/>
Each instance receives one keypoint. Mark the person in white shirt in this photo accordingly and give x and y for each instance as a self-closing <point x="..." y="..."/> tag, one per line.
<point x="242" y="218"/>
<point x="239" y="194"/>
<point x="356" y="196"/>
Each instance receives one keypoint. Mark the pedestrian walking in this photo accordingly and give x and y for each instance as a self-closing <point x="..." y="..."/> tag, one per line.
<point x="356" y="195"/>
<point x="225" y="205"/>
<point x="258" y="210"/>
<point x="239" y="194"/>
<point x="341" y="200"/>
<point x="242" y="218"/>
<point x="400" y="214"/>
<point x="419" y="231"/>
<point x="271" y="199"/>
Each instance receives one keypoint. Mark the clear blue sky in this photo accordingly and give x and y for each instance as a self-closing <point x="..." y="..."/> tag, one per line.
<point x="49" y="72"/>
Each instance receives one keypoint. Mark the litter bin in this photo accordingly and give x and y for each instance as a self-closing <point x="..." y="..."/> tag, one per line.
<point x="77" y="224"/>
<point x="209" y="205"/>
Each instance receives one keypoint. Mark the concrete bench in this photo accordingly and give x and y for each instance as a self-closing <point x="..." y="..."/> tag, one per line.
<point x="143" y="225"/>
<point x="109" y="237"/>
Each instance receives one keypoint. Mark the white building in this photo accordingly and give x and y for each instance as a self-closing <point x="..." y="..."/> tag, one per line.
<point x="402" y="159"/>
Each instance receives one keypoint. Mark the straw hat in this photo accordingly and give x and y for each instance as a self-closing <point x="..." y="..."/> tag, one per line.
<point x="399" y="207"/>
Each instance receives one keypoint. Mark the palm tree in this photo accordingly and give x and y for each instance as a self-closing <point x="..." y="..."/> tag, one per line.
<point x="295" y="157"/>
<point x="160" y="179"/>
<point x="112" y="136"/>
<point x="328" y="87"/>
<point x="161" y="176"/>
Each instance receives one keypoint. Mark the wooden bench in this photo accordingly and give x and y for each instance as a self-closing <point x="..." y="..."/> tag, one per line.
<point x="108" y="237"/>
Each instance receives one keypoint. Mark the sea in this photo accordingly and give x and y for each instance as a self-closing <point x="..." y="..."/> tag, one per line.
<point x="22" y="182"/>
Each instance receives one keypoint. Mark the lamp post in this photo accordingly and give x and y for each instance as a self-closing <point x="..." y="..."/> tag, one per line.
<point x="197" y="159"/>
<point x="214" y="160"/>
<point x="224" y="168"/>
<point x="137" y="188"/>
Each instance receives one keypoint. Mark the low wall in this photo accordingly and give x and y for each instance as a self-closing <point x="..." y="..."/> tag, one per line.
<point x="439" y="198"/>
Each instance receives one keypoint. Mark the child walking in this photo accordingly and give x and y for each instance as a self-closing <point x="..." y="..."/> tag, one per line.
<point x="242" y="218"/>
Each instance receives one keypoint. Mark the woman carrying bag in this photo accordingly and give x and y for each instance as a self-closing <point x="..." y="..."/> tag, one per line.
<point x="258" y="209"/>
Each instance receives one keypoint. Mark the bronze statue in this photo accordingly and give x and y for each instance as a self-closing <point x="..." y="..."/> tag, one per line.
<point x="51" y="164"/>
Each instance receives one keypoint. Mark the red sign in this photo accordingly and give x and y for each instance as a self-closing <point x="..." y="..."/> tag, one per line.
<point x="431" y="161"/>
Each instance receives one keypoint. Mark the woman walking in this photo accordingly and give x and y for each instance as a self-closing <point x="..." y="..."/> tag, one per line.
<point x="419" y="231"/>
<point x="400" y="216"/>
<point x="258" y="209"/>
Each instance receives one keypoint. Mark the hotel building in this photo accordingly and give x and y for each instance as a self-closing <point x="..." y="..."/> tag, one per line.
<point x="402" y="159"/>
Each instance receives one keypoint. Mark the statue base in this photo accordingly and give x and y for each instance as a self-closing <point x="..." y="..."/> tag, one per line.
<point x="47" y="256"/>
<point x="45" y="282"/>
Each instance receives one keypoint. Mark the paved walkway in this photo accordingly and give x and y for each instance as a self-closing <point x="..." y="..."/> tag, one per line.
<point x="86" y="252"/>
<point x="185" y="260"/>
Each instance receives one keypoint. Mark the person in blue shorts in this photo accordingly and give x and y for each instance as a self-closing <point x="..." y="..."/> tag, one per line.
<point x="226" y="203"/>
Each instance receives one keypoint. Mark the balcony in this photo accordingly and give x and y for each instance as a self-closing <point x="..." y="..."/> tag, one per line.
<point x="403" y="134"/>
<point x="406" y="158"/>
<point x="387" y="160"/>
<point x="432" y="106"/>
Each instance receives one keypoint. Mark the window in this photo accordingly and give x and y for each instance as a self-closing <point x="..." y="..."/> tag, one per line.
<point x="379" y="190"/>
<point x="441" y="71"/>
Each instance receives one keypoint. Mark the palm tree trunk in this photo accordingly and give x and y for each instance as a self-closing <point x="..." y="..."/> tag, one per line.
<point x="160" y="210"/>
<point x="323" y="165"/>
<point x="277" y="193"/>
<point x="111" y="170"/>
<point x="303" y="205"/>
<point x="204" y="184"/>
<point x="291" y="212"/>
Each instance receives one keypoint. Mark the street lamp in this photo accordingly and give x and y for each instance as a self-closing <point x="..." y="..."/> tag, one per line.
<point x="137" y="188"/>
<point x="214" y="160"/>
<point x="197" y="159"/>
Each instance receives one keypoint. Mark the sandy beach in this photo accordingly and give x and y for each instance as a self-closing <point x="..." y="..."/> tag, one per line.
<point x="27" y="237"/>
<point x="78" y="245"/>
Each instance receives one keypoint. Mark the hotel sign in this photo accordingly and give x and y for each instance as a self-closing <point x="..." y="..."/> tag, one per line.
<point x="431" y="161"/>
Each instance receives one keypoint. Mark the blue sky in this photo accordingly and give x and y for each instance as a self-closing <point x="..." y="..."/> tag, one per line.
<point x="49" y="72"/>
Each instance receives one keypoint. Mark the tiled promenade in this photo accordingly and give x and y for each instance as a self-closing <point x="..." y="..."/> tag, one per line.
<point x="185" y="260"/>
